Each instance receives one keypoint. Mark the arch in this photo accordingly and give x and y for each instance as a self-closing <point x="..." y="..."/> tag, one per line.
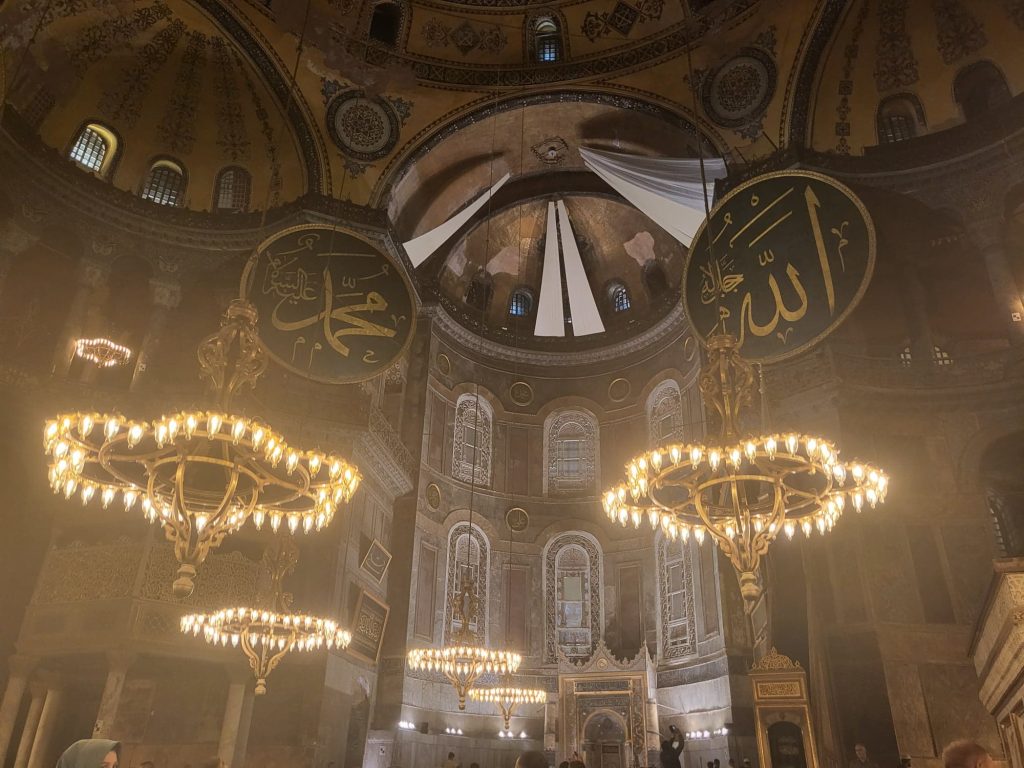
<point x="899" y="118"/>
<point x="573" y="596"/>
<point x="665" y="412"/>
<point x="96" y="148"/>
<point x="472" y="441"/>
<point x="386" y="23"/>
<point x="467" y="538"/>
<point x="570" y="452"/>
<point x="546" y="41"/>
<point x="165" y="182"/>
<point x="444" y="129"/>
<point x="520" y="303"/>
<point x="232" y="189"/>
<point x="979" y="88"/>
<point x="677" y="615"/>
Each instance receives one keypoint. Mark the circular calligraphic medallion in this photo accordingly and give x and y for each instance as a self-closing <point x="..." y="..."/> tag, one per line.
<point x="332" y="306"/>
<point x="521" y="393"/>
<point x="517" y="519"/>
<point x="364" y="127"/>
<point x="619" y="390"/>
<point x="786" y="257"/>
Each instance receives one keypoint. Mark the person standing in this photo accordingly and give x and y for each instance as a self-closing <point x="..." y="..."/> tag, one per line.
<point x="861" y="759"/>
<point x="450" y="762"/>
<point x="966" y="754"/>
<point x="91" y="753"/>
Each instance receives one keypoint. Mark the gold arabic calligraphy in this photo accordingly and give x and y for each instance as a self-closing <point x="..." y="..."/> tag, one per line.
<point x="720" y="278"/>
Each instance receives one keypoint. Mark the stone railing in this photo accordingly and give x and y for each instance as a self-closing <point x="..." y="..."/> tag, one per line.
<point x="998" y="643"/>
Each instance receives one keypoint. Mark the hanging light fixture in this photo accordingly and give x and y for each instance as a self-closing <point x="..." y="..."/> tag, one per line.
<point x="507" y="698"/>
<point x="201" y="474"/>
<point x="267" y="634"/>
<point x="742" y="490"/>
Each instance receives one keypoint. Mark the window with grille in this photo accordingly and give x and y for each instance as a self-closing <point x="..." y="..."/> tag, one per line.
<point x="896" y="127"/>
<point x="90" y="149"/>
<point x="478" y="294"/>
<point x="233" y="189"/>
<point x="547" y="42"/>
<point x="905" y="357"/>
<point x="164" y="184"/>
<point x="941" y="356"/>
<point x="521" y="303"/>
<point x="620" y="297"/>
<point x="571" y="452"/>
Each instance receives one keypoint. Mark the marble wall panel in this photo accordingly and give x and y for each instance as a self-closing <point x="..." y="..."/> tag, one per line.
<point x="954" y="709"/>
<point x="909" y="713"/>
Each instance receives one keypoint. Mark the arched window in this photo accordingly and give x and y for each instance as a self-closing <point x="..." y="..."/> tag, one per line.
<point x="94" y="148"/>
<point x="572" y="595"/>
<point x="479" y="292"/>
<point x="941" y="357"/>
<point x="471" y="449"/>
<point x="521" y="303"/>
<point x="898" y="118"/>
<point x="654" y="279"/>
<point x="665" y="413"/>
<point x="386" y="23"/>
<point x="232" y="190"/>
<point x="468" y="558"/>
<point x="571" y="452"/>
<point x="675" y="581"/>
<point x="979" y="88"/>
<point x="906" y="357"/>
<point x="618" y="297"/>
<point x="547" y="40"/>
<point x="165" y="183"/>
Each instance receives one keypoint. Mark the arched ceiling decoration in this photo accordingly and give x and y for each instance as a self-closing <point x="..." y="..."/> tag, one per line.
<point x="911" y="48"/>
<point x="170" y="80"/>
<point x="537" y="140"/>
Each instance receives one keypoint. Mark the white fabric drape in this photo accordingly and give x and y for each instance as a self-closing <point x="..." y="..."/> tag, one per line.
<point x="668" y="190"/>
<point x="550" y="318"/>
<point x="420" y="248"/>
<point x="585" y="317"/>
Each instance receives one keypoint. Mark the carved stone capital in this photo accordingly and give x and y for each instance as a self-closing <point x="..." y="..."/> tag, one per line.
<point x="166" y="293"/>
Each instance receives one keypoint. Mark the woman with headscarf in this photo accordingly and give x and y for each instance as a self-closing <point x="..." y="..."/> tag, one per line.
<point x="91" y="753"/>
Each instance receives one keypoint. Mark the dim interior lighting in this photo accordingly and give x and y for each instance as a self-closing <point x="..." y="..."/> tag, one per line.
<point x="741" y="491"/>
<point x="507" y="697"/>
<point x="166" y="467"/>
<point x="265" y="635"/>
<point x="103" y="352"/>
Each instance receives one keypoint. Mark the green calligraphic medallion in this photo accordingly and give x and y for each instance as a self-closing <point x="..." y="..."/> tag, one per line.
<point x="332" y="305"/>
<point x="786" y="257"/>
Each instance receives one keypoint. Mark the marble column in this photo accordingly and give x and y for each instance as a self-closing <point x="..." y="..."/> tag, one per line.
<point x="19" y="668"/>
<point x="242" y="742"/>
<point x="48" y="717"/>
<point x="653" y="732"/>
<point x="231" y="727"/>
<point x="166" y="295"/>
<point x="92" y="277"/>
<point x="550" y="725"/>
<point x="28" y="733"/>
<point x="110" y="700"/>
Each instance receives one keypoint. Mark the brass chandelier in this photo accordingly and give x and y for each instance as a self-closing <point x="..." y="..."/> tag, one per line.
<point x="507" y="697"/>
<point x="201" y="474"/>
<point x="742" y="491"/>
<point x="464" y="659"/>
<point x="266" y="634"/>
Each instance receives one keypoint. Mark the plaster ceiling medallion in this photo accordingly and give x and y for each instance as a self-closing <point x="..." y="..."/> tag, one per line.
<point x="551" y="151"/>
<point x="364" y="128"/>
<point x="738" y="91"/>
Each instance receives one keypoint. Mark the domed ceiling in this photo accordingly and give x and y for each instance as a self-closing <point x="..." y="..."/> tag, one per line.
<point x="618" y="246"/>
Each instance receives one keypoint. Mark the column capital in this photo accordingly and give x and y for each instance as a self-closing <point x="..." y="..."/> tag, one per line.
<point x="166" y="292"/>
<point x="92" y="273"/>
<point x="21" y="665"/>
